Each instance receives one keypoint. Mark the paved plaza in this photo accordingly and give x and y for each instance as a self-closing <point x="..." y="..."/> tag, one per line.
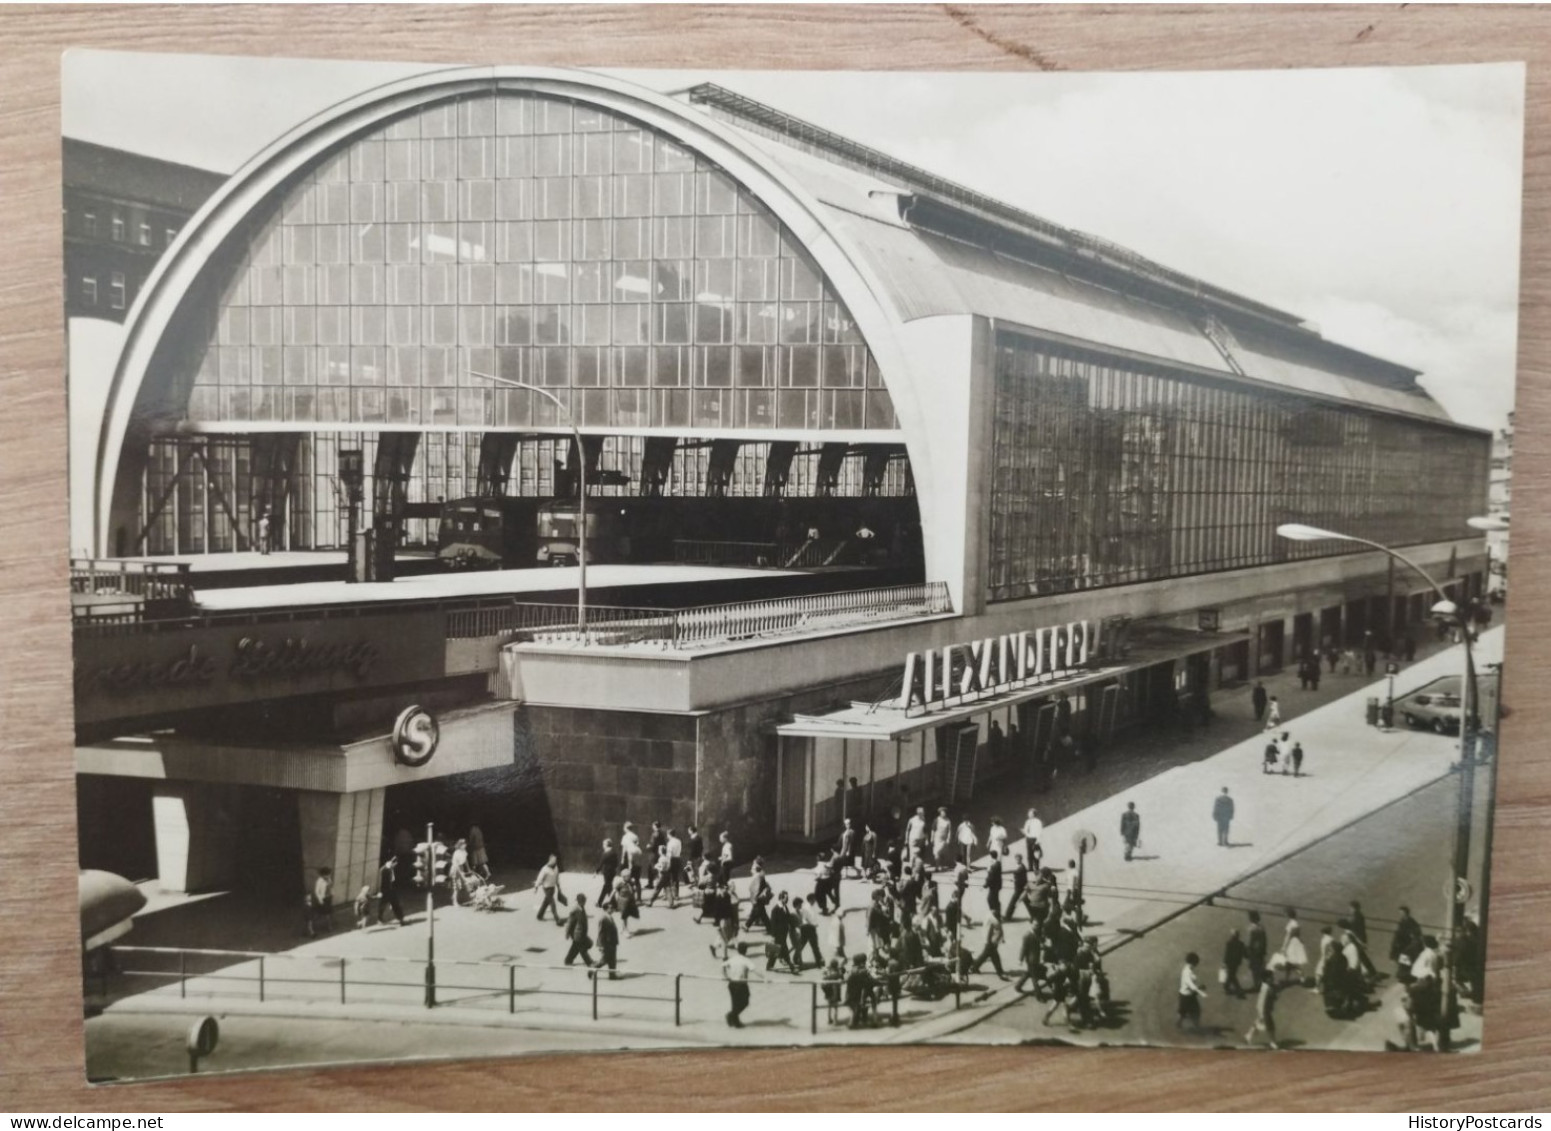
<point x="504" y="969"/>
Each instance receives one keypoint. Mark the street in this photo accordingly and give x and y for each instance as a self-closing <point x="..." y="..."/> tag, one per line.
<point x="1399" y="855"/>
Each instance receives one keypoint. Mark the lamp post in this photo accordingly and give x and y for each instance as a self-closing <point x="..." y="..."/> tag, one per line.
<point x="1298" y="532"/>
<point x="581" y="491"/>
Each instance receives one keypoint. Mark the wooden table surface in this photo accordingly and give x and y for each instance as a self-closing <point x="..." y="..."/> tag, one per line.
<point x="40" y="1028"/>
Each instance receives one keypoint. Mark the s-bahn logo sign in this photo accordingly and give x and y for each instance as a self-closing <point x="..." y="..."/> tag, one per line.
<point x="962" y="673"/>
<point x="415" y="736"/>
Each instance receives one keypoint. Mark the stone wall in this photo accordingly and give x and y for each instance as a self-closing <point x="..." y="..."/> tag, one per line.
<point x="602" y="768"/>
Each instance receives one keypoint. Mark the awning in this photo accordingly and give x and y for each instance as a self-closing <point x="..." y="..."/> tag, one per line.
<point x="1149" y="644"/>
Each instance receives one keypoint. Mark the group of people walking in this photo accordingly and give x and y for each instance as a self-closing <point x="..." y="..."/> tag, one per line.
<point x="1343" y="973"/>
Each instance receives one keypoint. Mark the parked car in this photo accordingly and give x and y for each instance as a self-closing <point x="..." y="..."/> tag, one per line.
<point x="1433" y="710"/>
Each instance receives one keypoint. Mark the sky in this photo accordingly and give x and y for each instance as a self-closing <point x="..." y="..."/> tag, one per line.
<point x="1381" y="204"/>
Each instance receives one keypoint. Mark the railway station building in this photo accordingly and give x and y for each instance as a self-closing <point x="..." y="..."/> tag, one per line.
<point x="727" y="303"/>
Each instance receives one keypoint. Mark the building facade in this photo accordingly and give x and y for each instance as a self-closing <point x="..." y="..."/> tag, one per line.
<point x="724" y="301"/>
<point x="121" y="212"/>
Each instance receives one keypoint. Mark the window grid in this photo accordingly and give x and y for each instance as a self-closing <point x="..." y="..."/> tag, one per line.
<point x="446" y="466"/>
<point x="543" y="242"/>
<point x="1107" y="475"/>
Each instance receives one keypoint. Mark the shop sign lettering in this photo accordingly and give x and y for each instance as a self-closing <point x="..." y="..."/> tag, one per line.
<point x="253" y="660"/>
<point x="979" y="669"/>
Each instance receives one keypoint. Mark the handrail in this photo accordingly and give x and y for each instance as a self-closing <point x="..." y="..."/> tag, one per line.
<point x="679" y="629"/>
<point x="888" y="985"/>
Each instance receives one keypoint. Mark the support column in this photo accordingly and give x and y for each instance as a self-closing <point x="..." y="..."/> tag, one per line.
<point x="196" y="836"/>
<point x="342" y="831"/>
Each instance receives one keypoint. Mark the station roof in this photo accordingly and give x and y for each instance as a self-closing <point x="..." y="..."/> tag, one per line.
<point x="940" y="248"/>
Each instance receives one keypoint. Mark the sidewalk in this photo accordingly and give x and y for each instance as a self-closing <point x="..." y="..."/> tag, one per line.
<point x="1350" y="770"/>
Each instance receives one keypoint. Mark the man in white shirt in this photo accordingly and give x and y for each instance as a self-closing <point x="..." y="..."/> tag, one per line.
<point x="548" y="882"/>
<point x="675" y="851"/>
<point x="1033" y="827"/>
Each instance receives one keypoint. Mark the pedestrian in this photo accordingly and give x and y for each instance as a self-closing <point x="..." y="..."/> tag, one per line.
<point x="1332" y="656"/>
<point x="1033" y="830"/>
<point x="674" y="850"/>
<point x="994" y="885"/>
<point x="1297" y="759"/>
<point x="738" y="972"/>
<point x="388" y="891"/>
<point x="724" y="857"/>
<point x="608" y="943"/>
<point x="869" y="850"/>
<point x="991" y="949"/>
<point x="657" y="845"/>
<point x="1295" y="957"/>
<point x="320" y="902"/>
<point x="1405" y="945"/>
<point x="1314" y="674"/>
<point x="630" y="855"/>
<point x="1273" y="714"/>
<point x="548" y="882"/>
<point x="845" y="845"/>
<point x="1020" y="884"/>
<point x="1408" y="648"/>
<point x="1303" y="674"/>
<point x="264" y="538"/>
<point x="942" y="833"/>
<point x="833" y="982"/>
<point x="1265" y="1008"/>
<point x="915" y="834"/>
<point x="782" y="925"/>
<point x="1426" y="988"/>
<point x="1222" y="814"/>
<point x="1191" y="993"/>
<point x="1233" y="955"/>
<point x="479" y="857"/>
<point x="461" y="876"/>
<point x="695" y="852"/>
<point x="807" y="932"/>
<point x="1256" y="950"/>
<point x="1030" y="953"/>
<point x="858" y="992"/>
<point x="1269" y="759"/>
<point x="996" y="837"/>
<point x="363" y="907"/>
<point x="1258" y="699"/>
<point x="968" y="840"/>
<point x="1130" y="828"/>
<point x="627" y="902"/>
<point x="1370" y="659"/>
<point x="576" y="934"/>
<point x="760" y="895"/>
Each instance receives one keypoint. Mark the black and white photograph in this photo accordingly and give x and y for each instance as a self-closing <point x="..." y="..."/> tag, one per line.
<point x="570" y="560"/>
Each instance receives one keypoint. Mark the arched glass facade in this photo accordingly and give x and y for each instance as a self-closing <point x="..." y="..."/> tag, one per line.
<point x="542" y="241"/>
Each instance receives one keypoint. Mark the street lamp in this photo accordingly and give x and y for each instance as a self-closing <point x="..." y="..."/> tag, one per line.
<point x="581" y="491"/>
<point x="1446" y="608"/>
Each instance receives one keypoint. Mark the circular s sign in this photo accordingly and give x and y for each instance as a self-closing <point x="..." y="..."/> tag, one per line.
<point x="415" y="735"/>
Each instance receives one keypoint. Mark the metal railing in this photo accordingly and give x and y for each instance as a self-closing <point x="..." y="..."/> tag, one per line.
<point x="708" y="626"/>
<point x="699" y="627"/>
<point x="698" y="552"/>
<point x="95" y="577"/>
<point x="514" y="987"/>
<point x="782" y="616"/>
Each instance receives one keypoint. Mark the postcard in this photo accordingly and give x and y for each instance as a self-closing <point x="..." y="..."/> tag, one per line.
<point x="587" y="559"/>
